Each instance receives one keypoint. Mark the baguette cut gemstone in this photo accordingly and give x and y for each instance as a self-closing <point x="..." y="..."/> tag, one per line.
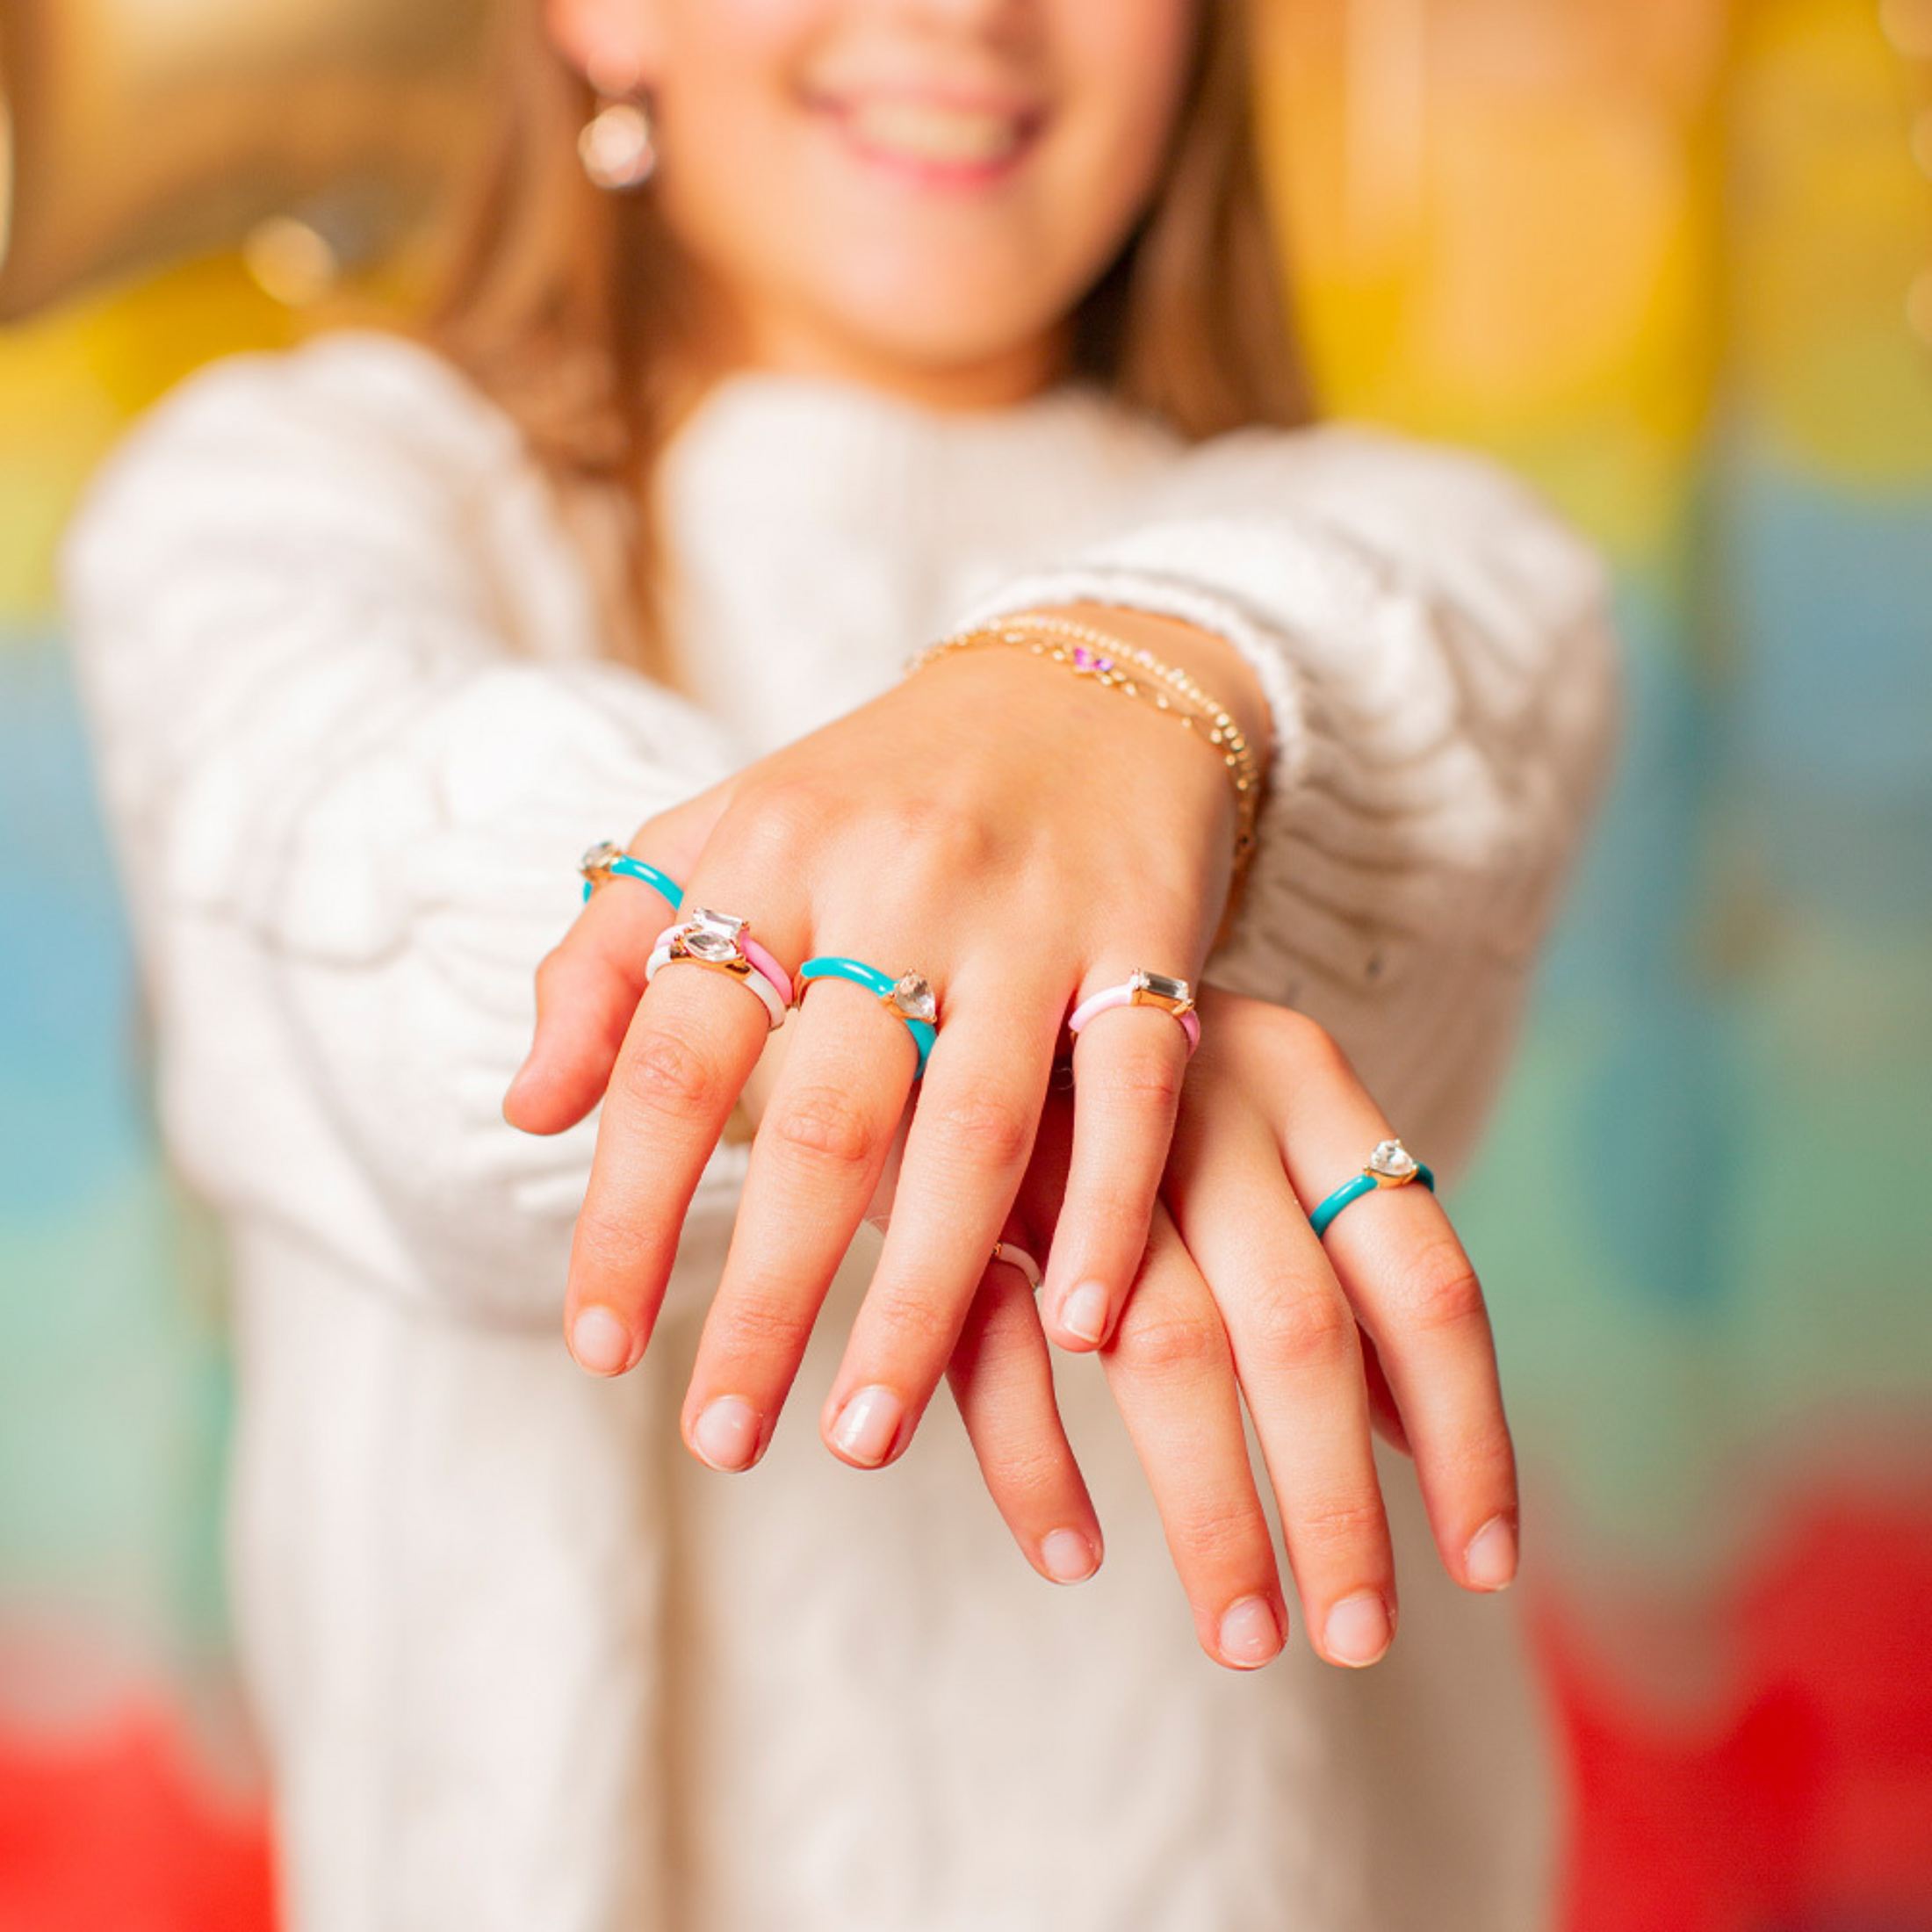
<point x="1162" y="987"/>
<point x="912" y="998"/>
<point x="712" y="935"/>
<point x="1392" y="1161"/>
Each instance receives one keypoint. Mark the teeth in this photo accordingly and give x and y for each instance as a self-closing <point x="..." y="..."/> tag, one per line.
<point x="926" y="130"/>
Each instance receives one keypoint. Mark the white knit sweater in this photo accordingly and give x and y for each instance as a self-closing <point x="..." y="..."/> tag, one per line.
<point x="520" y="1663"/>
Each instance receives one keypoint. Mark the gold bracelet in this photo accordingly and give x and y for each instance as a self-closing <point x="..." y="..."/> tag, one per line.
<point x="1092" y="653"/>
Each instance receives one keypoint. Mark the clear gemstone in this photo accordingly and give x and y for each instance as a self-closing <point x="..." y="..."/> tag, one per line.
<point x="913" y="999"/>
<point x="599" y="858"/>
<point x="712" y="935"/>
<point x="1392" y="1160"/>
<point x="1161" y="986"/>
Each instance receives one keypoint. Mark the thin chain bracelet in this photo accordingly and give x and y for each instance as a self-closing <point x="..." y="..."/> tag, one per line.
<point x="1092" y="653"/>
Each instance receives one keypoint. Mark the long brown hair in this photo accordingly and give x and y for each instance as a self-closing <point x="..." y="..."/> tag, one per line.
<point x="571" y="306"/>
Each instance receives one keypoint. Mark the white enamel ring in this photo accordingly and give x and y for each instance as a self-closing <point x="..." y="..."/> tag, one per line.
<point x="719" y="948"/>
<point x="1018" y="1257"/>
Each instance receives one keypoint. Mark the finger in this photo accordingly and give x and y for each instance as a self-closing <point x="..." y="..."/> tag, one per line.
<point x="972" y="1129"/>
<point x="1001" y="1376"/>
<point x="694" y="1039"/>
<point x="1414" y="1290"/>
<point x="1381" y="1399"/>
<point x="587" y="989"/>
<point x="815" y="1163"/>
<point x="589" y="984"/>
<point x="1298" y="1357"/>
<point x="1128" y="1062"/>
<point x="1172" y="1375"/>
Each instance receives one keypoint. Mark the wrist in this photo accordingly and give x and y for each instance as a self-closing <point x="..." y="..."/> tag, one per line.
<point x="1207" y="657"/>
<point x="1113" y="659"/>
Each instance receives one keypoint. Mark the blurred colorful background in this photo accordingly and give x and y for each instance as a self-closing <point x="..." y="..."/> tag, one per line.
<point x="1671" y="258"/>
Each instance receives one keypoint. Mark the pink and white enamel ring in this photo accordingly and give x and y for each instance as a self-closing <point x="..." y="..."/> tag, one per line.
<point x="716" y="940"/>
<point x="1144" y="989"/>
<point x="1016" y="1256"/>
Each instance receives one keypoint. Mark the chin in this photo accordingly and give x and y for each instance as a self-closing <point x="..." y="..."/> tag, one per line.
<point x="934" y="327"/>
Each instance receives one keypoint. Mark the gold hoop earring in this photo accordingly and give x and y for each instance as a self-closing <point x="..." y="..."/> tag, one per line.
<point x="618" y="146"/>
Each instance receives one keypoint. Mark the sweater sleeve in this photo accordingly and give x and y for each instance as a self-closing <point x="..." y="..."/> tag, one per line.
<point x="1436" y="652"/>
<point x="323" y="615"/>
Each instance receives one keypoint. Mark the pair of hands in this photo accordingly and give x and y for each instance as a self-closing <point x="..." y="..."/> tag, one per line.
<point x="974" y="812"/>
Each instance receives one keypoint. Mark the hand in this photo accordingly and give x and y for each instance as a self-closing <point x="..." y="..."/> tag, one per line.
<point x="969" y="824"/>
<point x="1381" y="1322"/>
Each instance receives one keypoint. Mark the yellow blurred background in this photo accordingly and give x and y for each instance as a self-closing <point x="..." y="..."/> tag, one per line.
<point x="1671" y="258"/>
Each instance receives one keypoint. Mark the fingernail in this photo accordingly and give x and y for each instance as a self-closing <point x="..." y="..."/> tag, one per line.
<point x="1085" y="1314"/>
<point x="866" y="1426"/>
<point x="1490" y="1560"/>
<point x="1068" y="1557"/>
<point x="726" y="1434"/>
<point x="1357" y="1630"/>
<point x="600" y="1342"/>
<point x="1249" y="1632"/>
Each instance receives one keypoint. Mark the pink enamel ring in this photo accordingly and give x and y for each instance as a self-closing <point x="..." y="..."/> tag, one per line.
<point x="1144" y="989"/>
<point x="724" y="945"/>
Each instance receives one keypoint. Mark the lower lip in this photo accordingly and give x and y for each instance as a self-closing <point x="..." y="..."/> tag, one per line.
<point x="958" y="176"/>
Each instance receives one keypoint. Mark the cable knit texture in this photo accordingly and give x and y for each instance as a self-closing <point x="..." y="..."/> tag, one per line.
<point x="518" y="1662"/>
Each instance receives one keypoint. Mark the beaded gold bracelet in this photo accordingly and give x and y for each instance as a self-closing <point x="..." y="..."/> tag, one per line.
<point x="1090" y="653"/>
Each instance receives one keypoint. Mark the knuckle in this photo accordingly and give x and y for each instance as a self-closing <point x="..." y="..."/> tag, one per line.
<point x="1222" y="1537"/>
<point x="985" y="1130"/>
<point x="1305" y="1328"/>
<point x="1441" y="1290"/>
<point x="1481" y="1463"/>
<point x="1114" y="1221"/>
<point x="657" y="834"/>
<point x="1339" y="1522"/>
<point x="1029" y="1483"/>
<point x="1145" y="1082"/>
<point x="825" y="1124"/>
<point x="1304" y="1047"/>
<point x="1166" y="1344"/>
<point x="768" y="824"/>
<point x="938" y="833"/>
<point x="755" y="1325"/>
<point x="664" y="1074"/>
<point x="913" y="1328"/>
<point x="790" y="799"/>
<point x="1474" y="1448"/>
<point x="1000" y="1325"/>
<point x="614" y="1247"/>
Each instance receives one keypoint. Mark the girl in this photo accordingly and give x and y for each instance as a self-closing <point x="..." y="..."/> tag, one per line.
<point x="783" y="338"/>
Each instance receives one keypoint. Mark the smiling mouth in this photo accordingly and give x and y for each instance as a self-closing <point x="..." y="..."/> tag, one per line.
<point x="935" y="138"/>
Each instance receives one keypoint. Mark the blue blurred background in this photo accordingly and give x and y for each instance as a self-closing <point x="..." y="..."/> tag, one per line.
<point x="1674" y="259"/>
